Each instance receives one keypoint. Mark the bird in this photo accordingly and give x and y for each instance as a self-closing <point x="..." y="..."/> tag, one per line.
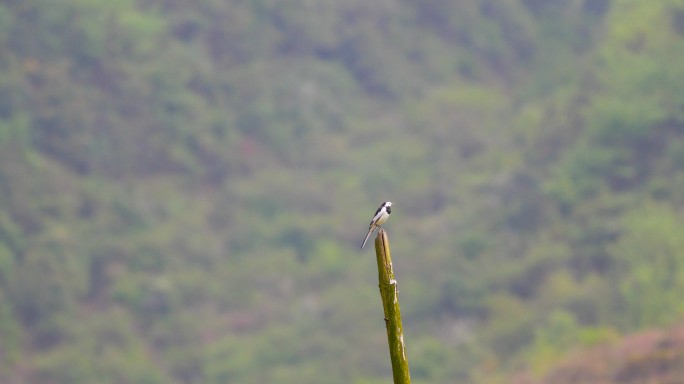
<point x="381" y="215"/>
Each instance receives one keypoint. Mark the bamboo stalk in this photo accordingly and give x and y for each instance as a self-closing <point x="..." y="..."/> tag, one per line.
<point x="390" y="304"/>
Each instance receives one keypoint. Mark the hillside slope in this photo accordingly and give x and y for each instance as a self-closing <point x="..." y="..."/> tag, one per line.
<point x="655" y="356"/>
<point x="184" y="186"/>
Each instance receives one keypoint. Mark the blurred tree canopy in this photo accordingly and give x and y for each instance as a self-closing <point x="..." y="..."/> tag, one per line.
<point x="183" y="185"/>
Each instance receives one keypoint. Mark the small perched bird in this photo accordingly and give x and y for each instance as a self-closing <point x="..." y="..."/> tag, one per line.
<point x="381" y="215"/>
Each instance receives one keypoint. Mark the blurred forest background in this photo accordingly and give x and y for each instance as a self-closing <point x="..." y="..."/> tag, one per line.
<point x="185" y="185"/>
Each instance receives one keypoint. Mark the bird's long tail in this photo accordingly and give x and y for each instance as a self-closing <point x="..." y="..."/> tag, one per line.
<point x="370" y="230"/>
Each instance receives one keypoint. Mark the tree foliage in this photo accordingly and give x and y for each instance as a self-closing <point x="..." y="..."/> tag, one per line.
<point x="182" y="185"/>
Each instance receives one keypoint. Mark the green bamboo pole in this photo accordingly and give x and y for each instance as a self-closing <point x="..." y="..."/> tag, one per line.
<point x="390" y="304"/>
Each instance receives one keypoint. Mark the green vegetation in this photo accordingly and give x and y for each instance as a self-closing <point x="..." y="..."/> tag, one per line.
<point x="183" y="185"/>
